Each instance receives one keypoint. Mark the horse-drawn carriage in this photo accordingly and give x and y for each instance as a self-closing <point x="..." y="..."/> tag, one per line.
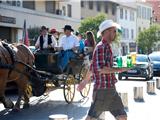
<point x="47" y="61"/>
<point x="36" y="73"/>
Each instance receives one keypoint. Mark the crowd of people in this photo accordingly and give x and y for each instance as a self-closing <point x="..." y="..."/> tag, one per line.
<point x="68" y="44"/>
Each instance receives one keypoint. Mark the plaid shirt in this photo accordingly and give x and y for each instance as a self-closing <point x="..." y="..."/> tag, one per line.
<point x="102" y="56"/>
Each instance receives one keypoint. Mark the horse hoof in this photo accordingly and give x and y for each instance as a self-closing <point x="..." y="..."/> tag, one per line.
<point x="26" y="106"/>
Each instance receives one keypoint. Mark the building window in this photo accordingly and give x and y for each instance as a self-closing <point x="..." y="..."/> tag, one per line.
<point x="121" y="13"/>
<point x="148" y="13"/>
<point x="90" y="3"/>
<point x="124" y="33"/>
<point x="64" y="10"/>
<point x="17" y="3"/>
<point x="106" y="8"/>
<point x="82" y="3"/>
<point x="69" y="10"/>
<point x="126" y="14"/>
<point x="127" y="33"/>
<point x="98" y="6"/>
<point x="9" y="2"/>
<point x="139" y="12"/>
<point x="50" y="7"/>
<point x="139" y="29"/>
<point x="131" y="15"/>
<point x="29" y="4"/>
<point x="143" y="12"/>
<point x="113" y="9"/>
<point x="132" y="33"/>
<point x="14" y="3"/>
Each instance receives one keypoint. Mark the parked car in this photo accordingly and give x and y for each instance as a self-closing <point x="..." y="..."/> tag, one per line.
<point x="155" y="58"/>
<point x="143" y="68"/>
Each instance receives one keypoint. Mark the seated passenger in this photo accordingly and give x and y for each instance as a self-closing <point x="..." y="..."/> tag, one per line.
<point x="69" y="44"/>
<point x="45" y="40"/>
<point x="81" y="42"/>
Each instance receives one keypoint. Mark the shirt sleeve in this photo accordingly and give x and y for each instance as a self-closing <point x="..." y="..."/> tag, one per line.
<point x="54" y="42"/>
<point x="37" y="45"/>
<point x="98" y="59"/>
<point x="61" y="42"/>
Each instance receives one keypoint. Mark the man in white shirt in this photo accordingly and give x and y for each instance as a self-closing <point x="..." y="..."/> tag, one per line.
<point x="45" y="41"/>
<point x="69" y="43"/>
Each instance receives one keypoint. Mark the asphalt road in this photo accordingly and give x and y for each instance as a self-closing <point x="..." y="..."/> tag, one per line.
<point x="54" y="103"/>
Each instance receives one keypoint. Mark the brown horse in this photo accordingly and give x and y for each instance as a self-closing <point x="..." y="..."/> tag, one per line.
<point x="12" y="69"/>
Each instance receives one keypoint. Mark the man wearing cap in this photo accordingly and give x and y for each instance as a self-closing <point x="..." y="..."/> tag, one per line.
<point x="105" y="96"/>
<point x="69" y="44"/>
<point x="45" y="41"/>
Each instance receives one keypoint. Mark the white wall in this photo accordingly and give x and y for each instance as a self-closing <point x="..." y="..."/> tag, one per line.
<point x="38" y="18"/>
<point x="127" y="23"/>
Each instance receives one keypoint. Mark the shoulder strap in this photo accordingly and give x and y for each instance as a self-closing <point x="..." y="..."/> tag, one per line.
<point x="49" y="39"/>
<point x="41" y="42"/>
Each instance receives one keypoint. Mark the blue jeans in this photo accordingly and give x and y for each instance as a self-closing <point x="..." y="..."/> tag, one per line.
<point x="64" y="57"/>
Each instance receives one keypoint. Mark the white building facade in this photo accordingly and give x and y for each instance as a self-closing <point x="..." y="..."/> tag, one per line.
<point x="126" y="17"/>
<point x="144" y="15"/>
<point x="52" y="14"/>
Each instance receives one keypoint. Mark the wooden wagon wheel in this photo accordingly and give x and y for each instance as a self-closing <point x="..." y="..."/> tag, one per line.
<point x="82" y="73"/>
<point x="69" y="88"/>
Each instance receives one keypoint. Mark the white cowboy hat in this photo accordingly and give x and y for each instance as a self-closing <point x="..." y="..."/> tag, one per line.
<point x="107" y="24"/>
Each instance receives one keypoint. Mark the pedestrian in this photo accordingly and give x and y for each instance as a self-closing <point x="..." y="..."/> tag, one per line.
<point x="45" y="40"/>
<point x="105" y="96"/>
<point x="69" y="44"/>
<point x="90" y="43"/>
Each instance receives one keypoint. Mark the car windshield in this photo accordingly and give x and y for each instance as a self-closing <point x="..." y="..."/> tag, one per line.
<point x="141" y="59"/>
<point x="155" y="58"/>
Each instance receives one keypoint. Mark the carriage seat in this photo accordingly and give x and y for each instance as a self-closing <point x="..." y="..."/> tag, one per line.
<point x="47" y="61"/>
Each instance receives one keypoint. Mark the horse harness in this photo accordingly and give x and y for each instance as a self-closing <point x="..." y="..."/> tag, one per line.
<point x="10" y="64"/>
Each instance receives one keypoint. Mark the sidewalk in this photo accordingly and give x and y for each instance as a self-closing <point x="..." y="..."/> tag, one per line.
<point x="147" y="110"/>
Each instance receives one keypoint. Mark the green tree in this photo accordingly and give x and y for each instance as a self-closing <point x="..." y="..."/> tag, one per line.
<point x="33" y="32"/>
<point x="147" y="38"/>
<point x="92" y="24"/>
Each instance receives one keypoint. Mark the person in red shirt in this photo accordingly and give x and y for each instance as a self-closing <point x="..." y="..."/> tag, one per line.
<point x="105" y="96"/>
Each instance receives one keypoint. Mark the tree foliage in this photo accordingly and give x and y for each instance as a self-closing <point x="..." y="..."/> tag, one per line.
<point x="92" y="24"/>
<point x="33" y="32"/>
<point x="148" y="38"/>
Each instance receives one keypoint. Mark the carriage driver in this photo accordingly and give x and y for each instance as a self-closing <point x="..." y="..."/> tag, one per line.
<point x="45" y="40"/>
<point x="69" y="44"/>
